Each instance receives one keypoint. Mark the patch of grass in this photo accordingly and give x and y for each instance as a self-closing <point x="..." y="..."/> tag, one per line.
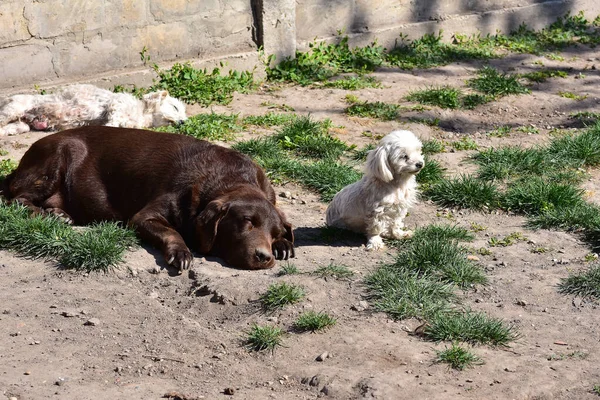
<point x="435" y="253"/>
<point x="457" y="357"/>
<point x="577" y="151"/>
<point x="312" y="321"/>
<point x="507" y="240"/>
<point x="3" y="152"/>
<point x="97" y="248"/>
<point x="431" y="174"/>
<point x="202" y="87"/>
<point x="377" y="109"/>
<point x="475" y="227"/>
<point x="544" y="74"/>
<point x="402" y="293"/>
<point x="333" y="271"/>
<point x="572" y="96"/>
<point x="500" y="132"/>
<point x="583" y="216"/>
<point x="442" y="232"/>
<point x="443" y="97"/>
<point x="430" y="51"/>
<point x="275" y="106"/>
<point x="310" y="138"/>
<point x="324" y="61"/>
<point x="494" y="83"/>
<point x="469" y="327"/>
<point x="268" y="120"/>
<point x="596" y="389"/>
<point x="327" y="177"/>
<point x="211" y="126"/>
<point x="288" y="269"/>
<point x="354" y="83"/>
<point x="536" y="195"/>
<point x="511" y="161"/>
<point x="585" y="283"/>
<point x="433" y="146"/>
<point x="587" y="117"/>
<point x="464" y="191"/>
<point x="528" y="129"/>
<point x="465" y="143"/>
<point x="260" y="338"/>
<point x="472" y="100"/>
<point x="279" y="295"/>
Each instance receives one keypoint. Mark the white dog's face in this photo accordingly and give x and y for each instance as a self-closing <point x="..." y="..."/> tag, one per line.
<point x="398" y="154"/>
<point x="165" y="109"/>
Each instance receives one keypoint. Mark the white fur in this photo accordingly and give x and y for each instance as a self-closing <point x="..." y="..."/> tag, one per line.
<point x="79" y="105"/>
<point x="377" y="204"/>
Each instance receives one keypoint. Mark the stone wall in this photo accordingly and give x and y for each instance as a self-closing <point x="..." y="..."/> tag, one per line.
<point x="49" y="42"/>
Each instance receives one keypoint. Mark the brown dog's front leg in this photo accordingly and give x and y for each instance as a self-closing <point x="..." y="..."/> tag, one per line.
<point x="155" y="229"/>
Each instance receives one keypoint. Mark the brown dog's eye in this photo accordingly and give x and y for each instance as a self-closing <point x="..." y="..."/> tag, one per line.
<point x="249" y="222"/>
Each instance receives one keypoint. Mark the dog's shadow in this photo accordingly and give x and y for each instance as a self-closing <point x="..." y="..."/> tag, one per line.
<point x="327" y="236"/>
<point x="173" y="271"/>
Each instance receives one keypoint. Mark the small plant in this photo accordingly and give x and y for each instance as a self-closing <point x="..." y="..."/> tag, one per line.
<point x="465" y="192"/>
<point x="539" y="250"/>
<point x="528" y="129"/>
<point x="586" y="117"/>
<point x="431" y="174"/>
<point x="496" y="84"/>
<point x="354" y="83"/>
<point x="310" y="138"/>
<point x="274" y="106"/>
<point x="544" y="74"/>
<point x="433" y="146"/>
<point x="425" y="121"/>
<point x="483" y="251"/>
<point x="507" y="240"/>
<point x="475" y="227"/>
<point x="268" y="120"/>
<point x="6" y="167"/>
<point x="585" y="283"/>
<point x="211" y="126"/>
<point x="596" y="389"/>
<point x="334" y="271"/>
<point x="3" y="152"/>
<point x="378" y="109"/>
<point x="589" y="257"/>
<point x="261" y="338"/>
<point x="200" y="86"/>
<point x="443" y="97"/>
<point x="465" y="143"/>
<point x="457" y="357"/>
<point x="288" y="269"/>
<point x="572" y="96"/>
<point x="501" y="131"/>
<point x="312" y="321"/>
<point x="279" y="295"/>
<point x="469" y="327"/>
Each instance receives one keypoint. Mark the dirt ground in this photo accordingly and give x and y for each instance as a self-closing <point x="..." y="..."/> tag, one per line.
<point x="153" y="332"/>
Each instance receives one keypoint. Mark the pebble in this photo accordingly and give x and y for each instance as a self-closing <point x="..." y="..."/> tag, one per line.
<point x="472" y="258"/>
<point x="521" y="303"/>
<point x="507" y="369"/>
<point x="69" y="313"/>
<point x="325" y="390"/>
<point x="154" y="270"/>
<point x="314" y="381"/>
<point x="27" y="373"/>
<point x="229" y="391"/>
<point x="322" y="356"/>
<point x="286" y="195"/>
<point x="92" y="322"/>
<point x="361" y="306"/>
<point x="577" y="302"/>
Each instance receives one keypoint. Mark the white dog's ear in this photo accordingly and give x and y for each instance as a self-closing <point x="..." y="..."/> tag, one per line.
<point x="156" y="96"/>
<point x="378" y="164"/>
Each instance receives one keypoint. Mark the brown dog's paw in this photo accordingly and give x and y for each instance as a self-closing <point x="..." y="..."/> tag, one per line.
<point x="180" y="258"/>
<point x="283" y="249"/>
<point x="63" y="216"/>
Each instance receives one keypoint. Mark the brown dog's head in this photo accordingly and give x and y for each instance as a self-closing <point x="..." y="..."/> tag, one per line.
<point x="245" y="230"/>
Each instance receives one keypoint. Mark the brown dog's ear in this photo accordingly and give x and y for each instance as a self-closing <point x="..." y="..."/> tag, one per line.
<point x="289" y="234"/>
<point x="207" y="224"/>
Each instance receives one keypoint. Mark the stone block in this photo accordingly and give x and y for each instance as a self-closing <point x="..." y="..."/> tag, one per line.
<point x="53" y="18"/>
<point x="13" y="25"/>
<point x="25" y="65"/>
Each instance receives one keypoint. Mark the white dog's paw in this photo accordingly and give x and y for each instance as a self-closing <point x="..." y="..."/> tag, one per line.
<point x="402" y="234"/>
<point x="375" y="243"/>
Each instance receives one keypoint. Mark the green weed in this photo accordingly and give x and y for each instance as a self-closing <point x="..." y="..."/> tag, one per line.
<point x="260" y="338"/>
<point x="354" y="83"/>
<point x="288" y="269"/>
<point x="585" y="283"/>
<point x="465" y="143"/>
<point x="457" y="357"/>
<point x="507" y="240"/>
<point x="544" y="74"/>
<point x="469" y="327"/>
<point x="433" y="146"/>
<point x="333" y="271"/>
<point x="312" y="321"/>
<point x="572" y="96"/>
<point x="268" y="120"/>
<point x="496" y="84"/>
<point x="279" y="295"/>
<point x="443" y="97"/>
<point x="464" y="191"/>
<point x="211" y="126"/>
<point x="378" y="109"/>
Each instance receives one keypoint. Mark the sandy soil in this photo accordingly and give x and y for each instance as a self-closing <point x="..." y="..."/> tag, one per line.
<point x="154" y="332"/>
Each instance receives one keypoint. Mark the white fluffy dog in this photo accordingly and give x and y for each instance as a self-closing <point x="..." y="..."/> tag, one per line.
<point x="377" y="204"/>
<point x="79" y="105"/>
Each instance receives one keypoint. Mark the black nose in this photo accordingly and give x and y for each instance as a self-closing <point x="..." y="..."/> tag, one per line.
<point x="419" y="165"/>
<point x="263" y="256"/>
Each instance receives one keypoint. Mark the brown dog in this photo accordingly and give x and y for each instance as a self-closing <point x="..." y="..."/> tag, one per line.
<point x="167" y="187"/>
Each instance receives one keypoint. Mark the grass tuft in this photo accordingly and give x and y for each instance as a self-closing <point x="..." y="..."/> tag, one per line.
<point x="312" y="321"/>
<point x="469" y="327"/>
<point x="464" y="192"/>
<point x="288" y="269"/>
<point x="457" y="357"/>
<point x="211" y="126"/>
<point x="585" y="283"/>
<point x="279" y="295"/>
<point x="377" y="109"/>
<point x="333" y="271"/>
<point x="443" y="97"/>
<point x="261" y="338"/>
<point x="496" y="84"/>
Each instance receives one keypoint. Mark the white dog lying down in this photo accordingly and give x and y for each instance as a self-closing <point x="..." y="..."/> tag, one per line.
<point x="377" y="204"/>
<point x="79" y="105"/>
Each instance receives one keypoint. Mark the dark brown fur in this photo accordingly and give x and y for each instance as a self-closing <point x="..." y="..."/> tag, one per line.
<point x="171" y="189"/>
